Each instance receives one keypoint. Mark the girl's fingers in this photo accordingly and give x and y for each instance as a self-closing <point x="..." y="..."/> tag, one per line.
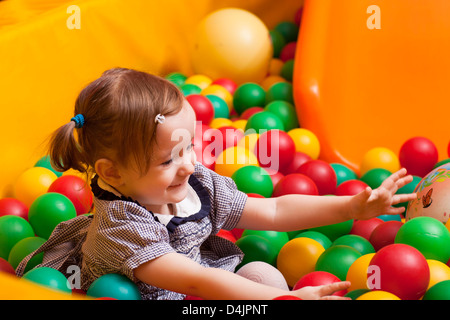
<point x="329" y="289"/>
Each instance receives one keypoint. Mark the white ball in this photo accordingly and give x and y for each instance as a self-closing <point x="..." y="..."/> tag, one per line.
<point x="264" y="273"/>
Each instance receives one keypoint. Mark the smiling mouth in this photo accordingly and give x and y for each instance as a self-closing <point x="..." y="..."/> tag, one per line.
<point x="178" y="185"/>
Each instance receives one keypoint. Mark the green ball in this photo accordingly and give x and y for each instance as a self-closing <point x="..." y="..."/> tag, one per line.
<point x="287" y="70"/>
<point x="288" y="29"/>
<point x="23" y="248"/>
<point x="264" y="120"/>
<point x="48" y="210"/>
<point x="319" y="237"/>
<point x="285" y="111"/>
<point x="278" y="42"/>
<point x="48" y="277"/>
<point x="357" y="242"/>
<point x="356" y="293"/>
<point x="343" y="173"/>
<point x="45" y="162"/>
<point x="220" y="106"/>
<point x="337" y="260"/>
<point x="428" y="235"/>
<point x="177" y="78"/>
<point x="440" y="291"/>
<point x="257" y="248"/>
<point x="280" y="91"/>
<point x="277" y="238"/>
<point x="248" y="95"/>
<point x="375" y="177"/>
<point x="12" y="230"/>
<point x="114" y="286"/>
<point x="253" y="179"/>
<point x="334" y="231"/>
<point x="189" y="88"/>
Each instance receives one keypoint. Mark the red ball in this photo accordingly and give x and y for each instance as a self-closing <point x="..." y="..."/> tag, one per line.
<point x="228" y="84"/>
<point x="237" y="232"/>
<point x="295" y="183"/>
<point x="230" y="136"/>
<point x="286" y="297"/>
<point x="322" y="174"/>
<point x="203" y="107"/>
<point x="12" y="206"/>
<point x="274" y="149"/>
<point x="288" y="51"/>
<point x="255" y="195"/>
<point x="250" y="111"/>
<point x="418" y="155"/>
<point x="76" y="189"/>
<point x="5" y="266"/>
<point x="399" y="269"/>
<point x="299" y="159"/>
<point x="384" y="234"/>
<point x="350" y="187"/>
<point x="298" y="16"/>
<point x="364" y="228"/>
<point x="319" y="278"/>
<point x="226" y="234"/>
<point x="276" y="176"/>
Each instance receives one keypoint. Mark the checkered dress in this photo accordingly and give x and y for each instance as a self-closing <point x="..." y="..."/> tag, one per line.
<point x="122" y="235"/>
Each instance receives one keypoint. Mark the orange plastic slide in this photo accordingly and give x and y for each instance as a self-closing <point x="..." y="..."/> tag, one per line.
<point x="373" y="73"/>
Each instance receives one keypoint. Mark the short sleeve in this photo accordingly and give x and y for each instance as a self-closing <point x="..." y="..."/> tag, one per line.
<point x="227" y="202"/>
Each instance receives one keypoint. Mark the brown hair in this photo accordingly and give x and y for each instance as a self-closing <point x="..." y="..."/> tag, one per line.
<point x="119" y="109"/>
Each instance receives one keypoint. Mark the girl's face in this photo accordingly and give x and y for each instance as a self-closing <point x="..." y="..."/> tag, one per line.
<point x="172" y="163"/>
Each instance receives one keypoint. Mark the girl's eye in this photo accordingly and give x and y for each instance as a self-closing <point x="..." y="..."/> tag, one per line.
<point x="166" y="163"/>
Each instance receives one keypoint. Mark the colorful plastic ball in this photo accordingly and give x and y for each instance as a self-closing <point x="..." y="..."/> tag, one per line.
<point x="354" y="294"/>
<point x="295" y="183"/>
<point x="357" y="242"/>
<point x="256" y="248"/>
<point x="297" y="258"/>
<point x="217" y="123"/>
<point x="221" y="92"/>
<point x="280" y="91"/>
<point x="337" y="260"/>
<point x="289" y="30"/>
<point x="322" y="174"/>
<point x="202" y="106"/>
<point x="335" y="230"/>
<point x="288" y="52"/>
<point x="343" y="173"/>
<point x="45" y="162"/>
<point x="14" y="207"/>
<point x="232" y="43"/>
<point x="251" y="111"/>
<point x="229" y="136"/>
<point x="357" y="273"/>
<point x="226" y="234"/>
<point x="76" y="189"/>
<point x="115" y="286"/>
<point x="286" y="297"/>
<point x="401" y="270"/>
<point x="440" y="291"/>
<point x="12" y="230"/>
<point x="277" y="238"/>
<point x="439" y="271"/>
<point x="285" y="111"/>
<point x="298" y="159"/>
<point x="32" y="183"/>
<point x="378" y="295"/>
<point x="319" y="237"/>
<point x="298" y="16"/>
<point x="350" y="188"/>
<point x="253" y="179"/>
<point x="228" y="84"/>
<point x="375" y="177"/>
<point x="232" y="159"/>
<point x="199" y="80"/>
<point x="278" y="42"/>
<point x="262" y="272"/>
<point x="48" y="210"/>
<point x="249" y="141"/>
<point x="6" y="267"/>
<point x="287" y="72"/>
<point x="220" y="106"/>
<point x="384" y="234"/>
<point x="264" y="121"/>
<point x="23" y="248"/>
<point x="248" y="95"/>
<point x="319" y="278"/>
<point x="364" y="228"/>
<point x="270" y="80"/>
<point x="379" y="158"/>
<point x="418" y="155"/>
<point x="274" y="149"/>
<point x="305" y="141"/>
<point x="432" y="196"/>
<point x="177" y="78"/>
<point x="428" y="235"/>
<point x="188" y="89"/>
<point x="48" y="277"/>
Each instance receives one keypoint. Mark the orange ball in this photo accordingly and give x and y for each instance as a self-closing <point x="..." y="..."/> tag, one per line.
<point x="233" y="158"/>
<point x="379" y="158"/>
<point x="357" y="273"/>
<point x="33" y="183"/>
<point x="378" y="295"/>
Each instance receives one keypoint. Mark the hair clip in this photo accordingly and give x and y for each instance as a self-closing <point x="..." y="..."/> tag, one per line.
<point x="79" y="120"/>
<point x="160" y="118"/>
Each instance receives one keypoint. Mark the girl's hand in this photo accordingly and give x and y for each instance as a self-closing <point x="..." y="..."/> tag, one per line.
<point x="323" y="292"/>
<point x="371" y="203"/>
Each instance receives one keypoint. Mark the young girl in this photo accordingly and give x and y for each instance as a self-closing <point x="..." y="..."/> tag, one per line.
<point x="157" y="210"/>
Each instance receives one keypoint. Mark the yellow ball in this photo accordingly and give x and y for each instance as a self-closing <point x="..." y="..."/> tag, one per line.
<point x="232" y="43"/>
<point x="221" y="92"/>
<point x="275" y="66"/>
<point x="233" y="158"/>
<point x="270" y="81"/>
<point x="439" y="271"/>
<point x="297" y="258"/>
<point x="305" y="141"/>
<point x="249" y="141"/>
<point x="220" y="122"/>
<point x="239" y="124"/>
<point x="357" y="273"/>
<point x="33" y="183"/>
<point x="378" y="295"/>
<point x="199" y="80"/>
<point x="379" y="158"/>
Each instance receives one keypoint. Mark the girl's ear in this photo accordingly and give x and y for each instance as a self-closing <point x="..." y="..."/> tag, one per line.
<point x="108" y="172"/>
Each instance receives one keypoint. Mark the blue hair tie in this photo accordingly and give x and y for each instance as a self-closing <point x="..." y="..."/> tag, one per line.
<point x="79" y="120"/>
